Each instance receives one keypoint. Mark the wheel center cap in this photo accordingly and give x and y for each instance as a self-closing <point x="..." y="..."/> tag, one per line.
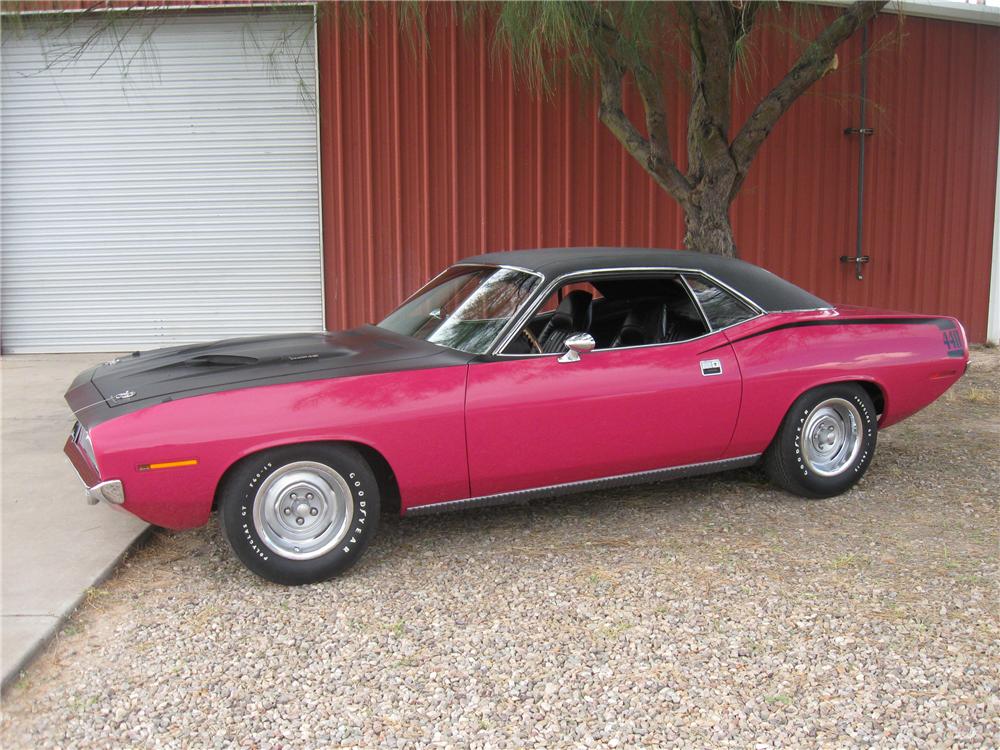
<point x="302" y="509"/>
<point x="825" y="436"/>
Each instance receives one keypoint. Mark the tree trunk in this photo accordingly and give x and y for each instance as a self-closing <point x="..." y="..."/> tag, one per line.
<point x="708" y="230"/>
<point x="706" y="211"/>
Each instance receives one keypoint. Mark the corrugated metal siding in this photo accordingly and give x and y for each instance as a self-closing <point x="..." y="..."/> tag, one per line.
<point x="934" y="102"/>
<point x="430" y="158"/>
<point x="177" y="203"/>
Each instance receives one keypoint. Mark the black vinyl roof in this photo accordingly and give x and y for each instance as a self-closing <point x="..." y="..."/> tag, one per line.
<point x="769" y="292"/>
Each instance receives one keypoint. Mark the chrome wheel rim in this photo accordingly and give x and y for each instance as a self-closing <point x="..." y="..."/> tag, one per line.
<point x="831" y="437"/>
<point x="303" y="510"/>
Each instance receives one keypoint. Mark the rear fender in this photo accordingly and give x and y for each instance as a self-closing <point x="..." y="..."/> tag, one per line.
<point x="912" y="360"/>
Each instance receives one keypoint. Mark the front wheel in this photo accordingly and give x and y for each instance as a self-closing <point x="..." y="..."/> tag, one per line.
<point x="300" y="514"/>
<point x="825" y="443"/>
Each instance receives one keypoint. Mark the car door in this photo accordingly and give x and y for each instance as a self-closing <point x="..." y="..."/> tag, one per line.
<point x="533" y="421"/>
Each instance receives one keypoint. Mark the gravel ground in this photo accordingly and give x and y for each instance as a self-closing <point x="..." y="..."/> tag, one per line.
<point x="714" y="612"/>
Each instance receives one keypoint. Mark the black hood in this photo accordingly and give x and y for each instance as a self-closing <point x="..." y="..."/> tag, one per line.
<point x="146" y="378"/>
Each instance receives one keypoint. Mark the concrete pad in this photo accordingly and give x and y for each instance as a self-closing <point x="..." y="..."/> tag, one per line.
<point x="54" y="545"/>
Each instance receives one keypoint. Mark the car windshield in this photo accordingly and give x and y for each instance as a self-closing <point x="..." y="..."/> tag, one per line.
<point x="465" y="308"/>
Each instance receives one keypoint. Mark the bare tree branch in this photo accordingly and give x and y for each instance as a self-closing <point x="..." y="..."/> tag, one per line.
<point x="812" y="65"/>
<point x="661" y="159"/>
<point x="653" y="153"/>
<point x="612" y="111"/>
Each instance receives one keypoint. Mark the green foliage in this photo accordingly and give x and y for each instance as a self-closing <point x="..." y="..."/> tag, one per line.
<point x="539" y="38"/>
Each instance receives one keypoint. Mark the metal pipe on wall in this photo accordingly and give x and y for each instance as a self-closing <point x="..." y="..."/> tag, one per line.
<point x="862" y="131"/>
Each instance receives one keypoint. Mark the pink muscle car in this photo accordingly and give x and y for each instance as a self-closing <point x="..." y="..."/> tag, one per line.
<point x="510" y="376"/>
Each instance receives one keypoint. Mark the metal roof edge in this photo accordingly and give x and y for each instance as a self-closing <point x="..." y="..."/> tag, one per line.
<point x="941" y="10"/>
<point x="29" y="9"/>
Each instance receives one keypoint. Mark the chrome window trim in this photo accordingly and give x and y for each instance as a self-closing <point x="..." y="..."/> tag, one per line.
<point x="434" y="278"/>
<point x="805" y="309"/>
<point x="725" y="289"/>
<point x="532" y="304"/>
<point x="697" y="303"/>
<point x="509" y="267"/>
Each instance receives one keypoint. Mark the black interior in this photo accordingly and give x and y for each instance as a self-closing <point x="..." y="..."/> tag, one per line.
<point x="628" y="312"/>
<point x="572" y="316"/>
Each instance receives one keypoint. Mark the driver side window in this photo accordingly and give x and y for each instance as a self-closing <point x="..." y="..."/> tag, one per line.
<point x="617" y="310"/>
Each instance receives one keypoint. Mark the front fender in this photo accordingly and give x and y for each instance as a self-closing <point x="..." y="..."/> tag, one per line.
<point x="414" y="419"/>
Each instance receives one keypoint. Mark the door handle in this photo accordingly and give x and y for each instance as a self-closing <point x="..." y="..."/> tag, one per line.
<point x="711" y="367"/>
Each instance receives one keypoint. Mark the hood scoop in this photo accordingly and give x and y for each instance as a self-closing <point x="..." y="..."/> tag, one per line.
<point x="221" y="360"/>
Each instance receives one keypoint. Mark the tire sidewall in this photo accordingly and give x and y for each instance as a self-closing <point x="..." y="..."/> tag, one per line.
<point x="241" y="494"/>
<point x="813" y="483"/>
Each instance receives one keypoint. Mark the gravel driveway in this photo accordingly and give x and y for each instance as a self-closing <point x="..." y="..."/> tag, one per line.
<point x="712" y="612"/>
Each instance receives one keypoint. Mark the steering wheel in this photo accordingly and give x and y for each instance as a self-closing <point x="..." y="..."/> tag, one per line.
<point x="526" y="332"/>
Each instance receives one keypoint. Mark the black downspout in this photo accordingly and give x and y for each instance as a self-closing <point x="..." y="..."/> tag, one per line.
<point x="863" y="131"/>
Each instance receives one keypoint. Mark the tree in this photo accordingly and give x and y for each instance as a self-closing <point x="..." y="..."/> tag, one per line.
<point x="616" y="41"/>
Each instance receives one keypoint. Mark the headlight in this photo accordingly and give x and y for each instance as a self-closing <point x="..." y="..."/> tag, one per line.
<point x="85" y="443"/>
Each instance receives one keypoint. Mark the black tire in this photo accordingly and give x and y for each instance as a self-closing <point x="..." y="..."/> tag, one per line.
<point x="799" y="468"/>
<point x="265" y="496"/>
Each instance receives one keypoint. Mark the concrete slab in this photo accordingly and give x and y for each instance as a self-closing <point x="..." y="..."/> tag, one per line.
<point x="54" y="545"/>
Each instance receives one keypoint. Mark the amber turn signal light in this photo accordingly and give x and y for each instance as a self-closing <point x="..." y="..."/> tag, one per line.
<point x="169" y="464"/>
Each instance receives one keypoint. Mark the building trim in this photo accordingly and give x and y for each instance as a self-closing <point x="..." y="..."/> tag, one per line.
<point x="993" y="312"/>
<point x="943" y="10"/>
<point x="16" y="9"/>
<point x="940" y="10"/>
<point x="319" y="165"/>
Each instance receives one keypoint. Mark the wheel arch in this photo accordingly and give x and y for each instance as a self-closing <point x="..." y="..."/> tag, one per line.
<point x="875" y="390"/>
<point x="388" y="486"/>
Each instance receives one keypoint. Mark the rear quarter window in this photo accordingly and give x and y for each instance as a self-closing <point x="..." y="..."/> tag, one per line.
<point x="721" y="308"/>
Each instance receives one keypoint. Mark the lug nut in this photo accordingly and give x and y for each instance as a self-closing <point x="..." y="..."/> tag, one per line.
<point x="313" y="511"/>
<point x="300" y="521"/>
<point x="309" y="496"/>
<point x="288" y="511"/>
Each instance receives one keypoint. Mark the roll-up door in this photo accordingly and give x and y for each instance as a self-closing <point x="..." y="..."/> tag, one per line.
<point x="160" y="189"/>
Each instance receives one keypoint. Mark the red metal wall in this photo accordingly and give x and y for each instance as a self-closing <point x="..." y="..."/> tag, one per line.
<point x="427" y="158"/>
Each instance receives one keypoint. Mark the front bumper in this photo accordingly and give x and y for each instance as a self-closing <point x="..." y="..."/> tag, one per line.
<point x="110" y="492"/>
<point x="95" y="491"/>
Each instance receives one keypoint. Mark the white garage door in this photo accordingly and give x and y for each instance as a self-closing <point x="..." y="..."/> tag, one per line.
<point x="160" y="184"/>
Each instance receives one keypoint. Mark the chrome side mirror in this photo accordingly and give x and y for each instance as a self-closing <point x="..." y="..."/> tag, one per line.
<point x="578" y="342"/>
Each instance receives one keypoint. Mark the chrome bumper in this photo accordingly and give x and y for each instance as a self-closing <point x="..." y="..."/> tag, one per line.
<point x="94" y="490"/>
<point x="110" y="492"/>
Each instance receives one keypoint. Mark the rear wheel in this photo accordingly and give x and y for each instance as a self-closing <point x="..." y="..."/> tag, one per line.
<point x="825" y="443"/>
<point x="300" y="514"/>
